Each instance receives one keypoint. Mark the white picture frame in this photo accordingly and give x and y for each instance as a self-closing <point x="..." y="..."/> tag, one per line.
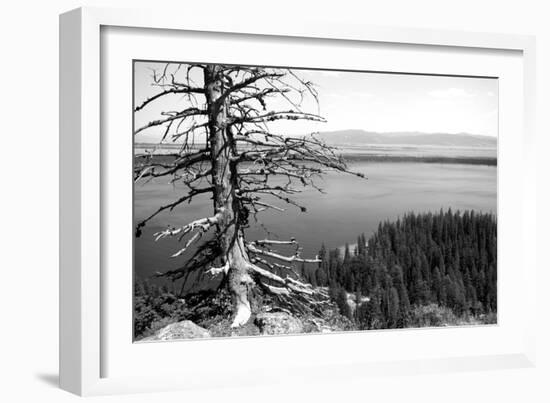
<point x="85" y="344"/>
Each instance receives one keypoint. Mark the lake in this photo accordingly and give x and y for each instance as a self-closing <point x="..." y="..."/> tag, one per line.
<point x="349" y="207"/>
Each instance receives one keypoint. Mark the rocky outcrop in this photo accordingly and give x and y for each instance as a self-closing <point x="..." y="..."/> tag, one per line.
<point x="278" y="323"/>
<point x="210" y="318"/>
<point x="223" y="328"/>
<point x="179" y="330"/>
<point x="331" y="322"/>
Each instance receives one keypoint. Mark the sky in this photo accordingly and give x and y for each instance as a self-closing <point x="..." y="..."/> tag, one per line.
<point x="362" y="100"/>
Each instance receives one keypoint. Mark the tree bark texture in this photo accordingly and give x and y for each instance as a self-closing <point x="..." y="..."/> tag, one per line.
<point x="225" y="185"/>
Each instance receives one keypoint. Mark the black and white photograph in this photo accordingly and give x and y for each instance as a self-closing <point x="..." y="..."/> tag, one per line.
<point x="276" y="200"/>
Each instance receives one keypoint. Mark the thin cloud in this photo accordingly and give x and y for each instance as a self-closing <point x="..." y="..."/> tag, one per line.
<point x="451" y="93"/>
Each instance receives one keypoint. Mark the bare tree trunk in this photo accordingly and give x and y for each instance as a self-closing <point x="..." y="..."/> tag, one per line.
<point x="224" y="181"/>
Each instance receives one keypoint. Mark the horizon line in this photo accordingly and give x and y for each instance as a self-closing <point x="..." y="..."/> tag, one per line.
<point x="368" y="131"/>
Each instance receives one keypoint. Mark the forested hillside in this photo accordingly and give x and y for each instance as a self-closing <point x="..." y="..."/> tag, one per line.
<point x="421" y="264"/>
<point x="421" y="270"/>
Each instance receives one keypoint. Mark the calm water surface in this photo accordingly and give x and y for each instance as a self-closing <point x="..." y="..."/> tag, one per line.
<point x="350" y="206"/>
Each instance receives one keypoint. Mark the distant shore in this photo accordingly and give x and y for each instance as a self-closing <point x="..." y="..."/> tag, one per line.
<point x="490" y="161"/>
<point x="375" y="153"/>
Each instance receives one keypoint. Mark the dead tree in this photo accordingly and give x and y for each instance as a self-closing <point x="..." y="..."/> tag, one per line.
<point x="232" y="108"/>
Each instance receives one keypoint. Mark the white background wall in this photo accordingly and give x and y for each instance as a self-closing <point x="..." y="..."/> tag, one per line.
<point x="29" y="201"/>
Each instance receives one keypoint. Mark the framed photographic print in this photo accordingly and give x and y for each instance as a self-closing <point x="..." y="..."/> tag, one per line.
<point x="229" y="192"/>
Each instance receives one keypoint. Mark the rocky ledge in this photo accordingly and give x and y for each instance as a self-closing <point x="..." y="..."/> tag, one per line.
<point x="264" y="323"/>
<point x="179" y="330"/>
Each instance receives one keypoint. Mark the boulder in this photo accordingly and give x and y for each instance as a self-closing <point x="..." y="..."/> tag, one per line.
<point x="278" y="323"/>
<point x="316" y="325"/>
<point x="179" y="330"/>
<point x="223" y="329"/>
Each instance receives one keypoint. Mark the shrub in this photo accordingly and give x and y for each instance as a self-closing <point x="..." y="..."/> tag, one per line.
<point x="155" y="307"/>
<point x="432" y="315"/>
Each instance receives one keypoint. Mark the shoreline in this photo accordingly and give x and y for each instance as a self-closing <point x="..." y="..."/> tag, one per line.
<point x="465" y="160"/>
<point x="387" y="158"/>
<point x="486" y="156"/>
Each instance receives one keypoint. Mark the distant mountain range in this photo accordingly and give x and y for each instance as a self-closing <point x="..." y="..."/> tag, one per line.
<point x="362" y="137"/>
